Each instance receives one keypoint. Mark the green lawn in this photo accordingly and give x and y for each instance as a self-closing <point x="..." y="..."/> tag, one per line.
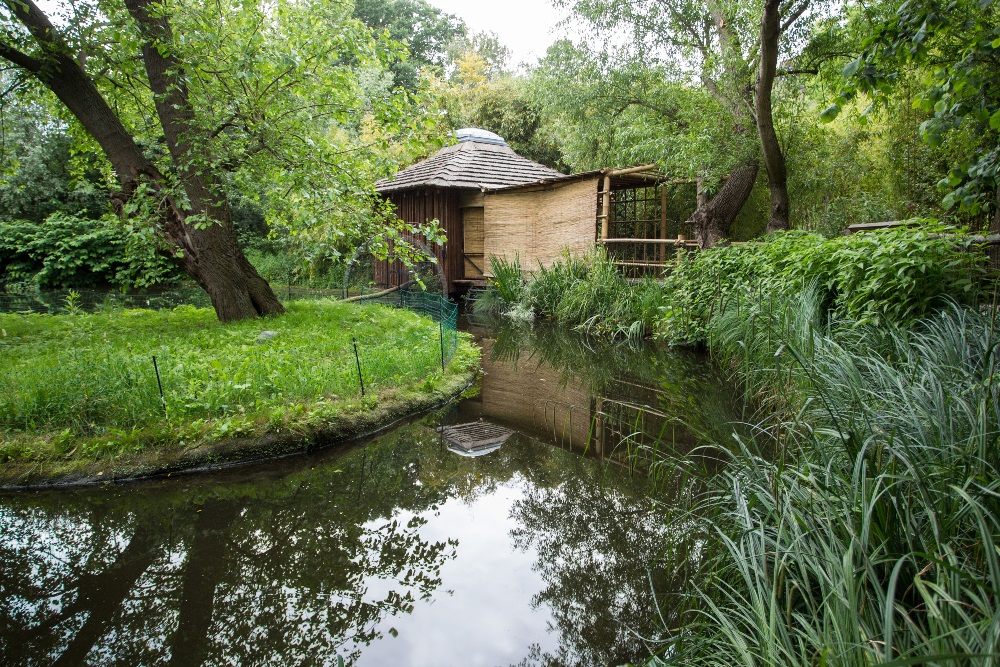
<point x="92" y="377"/>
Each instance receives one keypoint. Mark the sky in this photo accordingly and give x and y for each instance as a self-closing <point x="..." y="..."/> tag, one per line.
<point x="526" y="27"/>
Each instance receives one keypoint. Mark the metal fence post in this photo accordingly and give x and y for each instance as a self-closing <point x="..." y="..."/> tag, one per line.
<point x="159" y="385"/>
<point x="357" y="359"/>
<point x="441" y="339"/>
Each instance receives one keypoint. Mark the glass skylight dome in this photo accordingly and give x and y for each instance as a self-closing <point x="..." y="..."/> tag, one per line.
<point x="474" y="134"/>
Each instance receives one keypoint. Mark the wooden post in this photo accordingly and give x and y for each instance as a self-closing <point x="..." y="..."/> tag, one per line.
<point x="663" y="221"/>
<point x="599" y="427"/>
<point x="606" y="207"/>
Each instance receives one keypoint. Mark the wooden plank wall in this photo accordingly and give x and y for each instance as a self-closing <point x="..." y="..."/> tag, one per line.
<point x="419" y="206"/>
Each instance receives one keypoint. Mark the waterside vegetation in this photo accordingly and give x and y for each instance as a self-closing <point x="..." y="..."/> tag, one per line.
<point x="854" y="518"/>
<point x="896" y="275"/>
<point x="858" y="524"/>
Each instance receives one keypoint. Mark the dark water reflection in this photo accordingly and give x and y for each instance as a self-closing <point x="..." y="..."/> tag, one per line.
<point x="396" y="552"/>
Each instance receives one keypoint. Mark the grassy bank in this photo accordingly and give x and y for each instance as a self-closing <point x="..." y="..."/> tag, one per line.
<point x="126" y="391"/>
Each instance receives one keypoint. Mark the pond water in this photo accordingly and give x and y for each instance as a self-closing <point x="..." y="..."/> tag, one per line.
<point x="396" y="551"/>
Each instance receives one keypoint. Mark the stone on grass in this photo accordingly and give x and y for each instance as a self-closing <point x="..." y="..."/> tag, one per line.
<point x="266" y="336"/>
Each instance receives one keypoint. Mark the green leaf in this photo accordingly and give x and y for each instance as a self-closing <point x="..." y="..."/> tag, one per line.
<point x="830" y="113"/>
<point x="995" y="121"/>
<point x="852" y="68"/>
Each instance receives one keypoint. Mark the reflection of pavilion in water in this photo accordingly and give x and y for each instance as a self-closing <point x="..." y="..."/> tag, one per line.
<point x="619" y="420"/>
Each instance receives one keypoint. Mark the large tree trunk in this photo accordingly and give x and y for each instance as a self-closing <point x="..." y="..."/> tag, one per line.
<point x="210" y="254"/>
<point x="774" y="161"/>
<point x="713" y="220"/>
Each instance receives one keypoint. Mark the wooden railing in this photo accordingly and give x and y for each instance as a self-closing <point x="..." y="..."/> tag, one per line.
<point x="644" y="257"/>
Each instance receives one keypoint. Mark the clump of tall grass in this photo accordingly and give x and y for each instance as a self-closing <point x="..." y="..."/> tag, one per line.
<point x="508" y="289"/>
<point x="860" y="526"/>
<point x="586" y="292"/>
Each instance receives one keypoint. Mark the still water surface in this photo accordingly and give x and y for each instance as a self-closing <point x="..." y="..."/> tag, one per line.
<point x="394" y="552"/>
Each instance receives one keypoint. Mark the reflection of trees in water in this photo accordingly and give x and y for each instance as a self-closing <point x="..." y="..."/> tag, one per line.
<point x="293" y="569"/>
<point x="602" y="552"/>
<point x="249" y="573"/>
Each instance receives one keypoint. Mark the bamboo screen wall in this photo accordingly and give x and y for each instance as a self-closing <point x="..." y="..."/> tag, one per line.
<point x="538" y="225"/>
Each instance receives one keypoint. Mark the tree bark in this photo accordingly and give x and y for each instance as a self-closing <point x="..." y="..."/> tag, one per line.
<point x="774" y="160"/>
<point x="712" y="221"/>
<point x="209" y="252"/>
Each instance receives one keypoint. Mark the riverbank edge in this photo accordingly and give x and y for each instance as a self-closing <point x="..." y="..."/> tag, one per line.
<point x="356" y="420"/>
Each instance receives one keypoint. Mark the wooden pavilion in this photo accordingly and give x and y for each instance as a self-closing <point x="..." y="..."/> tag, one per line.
<point x="490" y="201"/>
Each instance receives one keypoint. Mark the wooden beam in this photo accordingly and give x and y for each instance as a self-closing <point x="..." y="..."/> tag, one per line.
<point x="677" y="241"/>
<point x="663" y="220"/>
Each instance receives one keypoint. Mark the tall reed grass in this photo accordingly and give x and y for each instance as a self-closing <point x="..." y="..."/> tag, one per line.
<point x="586" y="292"/>
<point x="861" y="525"/>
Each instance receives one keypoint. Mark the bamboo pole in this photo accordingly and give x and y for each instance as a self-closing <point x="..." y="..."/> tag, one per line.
<point x="606" y="207"/>
<point x="663" y="221"/>
<point x="631" y="170"/>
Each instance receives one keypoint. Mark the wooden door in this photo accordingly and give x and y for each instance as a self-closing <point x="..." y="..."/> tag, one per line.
<point x="474" y="242"/>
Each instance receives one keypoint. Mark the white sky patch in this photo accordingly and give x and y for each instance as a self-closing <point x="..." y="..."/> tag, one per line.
<point x="526" y="27"/>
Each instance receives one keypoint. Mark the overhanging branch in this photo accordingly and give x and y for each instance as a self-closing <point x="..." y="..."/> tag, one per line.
<point x="21" y="59"/>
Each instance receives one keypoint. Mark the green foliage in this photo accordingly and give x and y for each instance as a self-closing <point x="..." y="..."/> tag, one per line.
<point x="506" y="106"/>
<point x="550" y="284"/>
<point x="292" y="104"/>
<point x="40" y="174"/>
<point x="507" y="285"/>
<point x="70" y="251"/>
<point x="955" y="46"/>
<point x="896" y="275"/>
<point x="292" y="268"/>
<point x="859" y="525"/>
<point x="426" y="30"/>
<point x="587" y="292"/>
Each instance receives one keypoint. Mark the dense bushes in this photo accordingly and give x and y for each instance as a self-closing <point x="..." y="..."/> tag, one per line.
<point x="72" y="251"/>
<point x="894" y="275"/>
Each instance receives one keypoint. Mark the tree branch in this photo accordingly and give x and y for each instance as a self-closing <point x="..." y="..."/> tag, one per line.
<point x="21" y="59"/>
<point x="793" y="16"/>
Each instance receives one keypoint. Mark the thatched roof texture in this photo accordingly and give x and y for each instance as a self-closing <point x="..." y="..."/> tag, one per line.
<point x="480" y="160"/>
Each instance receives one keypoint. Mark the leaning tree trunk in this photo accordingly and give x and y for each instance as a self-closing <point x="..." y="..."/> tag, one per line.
<point x="211" y="255"/>
<point x="219" y="266"/>
<point x="774" y="161"/>
<point x="713" y="220"/>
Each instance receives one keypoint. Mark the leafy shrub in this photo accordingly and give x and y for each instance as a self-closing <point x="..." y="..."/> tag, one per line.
<point x="894" y="275"/>
<point x="71" y="251"/>
<point x="507" y="288"/>
<point x="548" y="285"/>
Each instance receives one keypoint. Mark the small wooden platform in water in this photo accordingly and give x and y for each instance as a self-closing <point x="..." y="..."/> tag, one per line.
<point x="475" y="438"/>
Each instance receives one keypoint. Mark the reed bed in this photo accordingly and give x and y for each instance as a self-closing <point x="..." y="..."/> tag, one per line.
<point x="859" y="524"/>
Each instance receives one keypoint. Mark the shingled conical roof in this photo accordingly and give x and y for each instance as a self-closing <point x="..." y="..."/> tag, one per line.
<point x="480" y="160"/>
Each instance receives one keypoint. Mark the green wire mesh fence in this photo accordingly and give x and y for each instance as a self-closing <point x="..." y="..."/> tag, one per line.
<point x="131" y="392"/>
